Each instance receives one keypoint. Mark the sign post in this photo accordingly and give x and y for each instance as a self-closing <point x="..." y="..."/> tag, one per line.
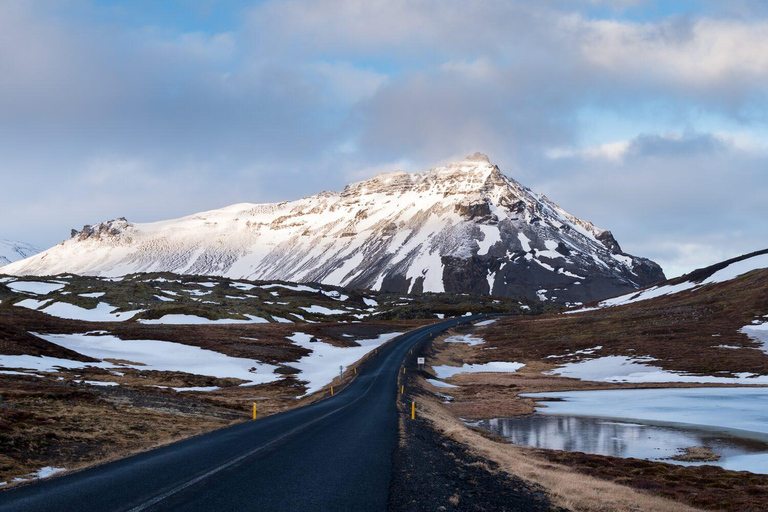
<point x="420" y="361"/>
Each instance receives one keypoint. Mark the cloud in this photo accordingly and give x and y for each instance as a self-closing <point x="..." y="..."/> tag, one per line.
<point x="106" y="117"/>
<point x="698" y="54"/>
<point x="683" y="199"/>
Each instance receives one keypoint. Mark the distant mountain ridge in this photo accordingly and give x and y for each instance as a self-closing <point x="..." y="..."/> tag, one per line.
<point x="462" y="227"/>
<point x="11" y="251"/>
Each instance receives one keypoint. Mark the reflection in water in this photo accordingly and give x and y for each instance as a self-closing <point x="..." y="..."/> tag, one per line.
<point x="617" y="438"/>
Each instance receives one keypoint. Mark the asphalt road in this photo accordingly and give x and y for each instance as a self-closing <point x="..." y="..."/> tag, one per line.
<point x="333" y="455"/>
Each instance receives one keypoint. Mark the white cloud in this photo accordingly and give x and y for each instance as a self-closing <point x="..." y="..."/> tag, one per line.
<point x="700" y="53"/>
<point x="103" y="120"/>
<point x="610" y="151"/>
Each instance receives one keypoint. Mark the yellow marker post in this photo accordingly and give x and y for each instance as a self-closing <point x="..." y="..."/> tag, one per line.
<point x="402" y="390"/>
<point x="413" y="410"/>
<point x="355" y="371"/>
<point x="331" y="390"/>
<point x="403" y="371"/>
<point x="254" y="410"/>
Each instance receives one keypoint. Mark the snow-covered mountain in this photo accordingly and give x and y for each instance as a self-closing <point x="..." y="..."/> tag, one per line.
<point x="14" y="251"/>
<point x="463" y="227"/>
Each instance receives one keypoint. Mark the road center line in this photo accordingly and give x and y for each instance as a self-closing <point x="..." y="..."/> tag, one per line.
<point x="176" y="490"/>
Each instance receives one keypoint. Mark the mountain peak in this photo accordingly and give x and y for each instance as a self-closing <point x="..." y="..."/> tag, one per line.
<point x="478" y="157"/>
<point x="462" y="227"/>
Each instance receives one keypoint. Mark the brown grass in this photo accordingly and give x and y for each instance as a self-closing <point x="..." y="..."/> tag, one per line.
<point x="681" y="331"/>
<point x="566" y="488"/>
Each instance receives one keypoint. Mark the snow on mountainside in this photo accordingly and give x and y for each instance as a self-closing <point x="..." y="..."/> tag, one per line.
<point x="463" y="227"/>
<point x="719" y="273"/>
<point x="14" y="251"/>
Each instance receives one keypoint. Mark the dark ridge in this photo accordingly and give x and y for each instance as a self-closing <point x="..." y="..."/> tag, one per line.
<point x="701" y="274"/>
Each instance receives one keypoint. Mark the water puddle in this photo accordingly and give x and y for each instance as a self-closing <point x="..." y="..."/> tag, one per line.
<point x="621" y="439"/>
<point x="651" y="424"/>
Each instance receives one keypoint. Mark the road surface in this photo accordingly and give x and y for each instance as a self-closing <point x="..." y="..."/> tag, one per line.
<point x="333" y="455"/>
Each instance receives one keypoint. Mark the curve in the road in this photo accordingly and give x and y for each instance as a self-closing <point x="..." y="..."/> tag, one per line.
<point x="335" y="454"/>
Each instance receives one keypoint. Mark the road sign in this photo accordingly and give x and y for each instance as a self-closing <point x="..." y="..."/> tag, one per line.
<point x="420" y="360"/>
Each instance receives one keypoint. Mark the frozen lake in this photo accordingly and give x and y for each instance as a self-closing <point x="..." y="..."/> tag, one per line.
<point x="650" y="424"/>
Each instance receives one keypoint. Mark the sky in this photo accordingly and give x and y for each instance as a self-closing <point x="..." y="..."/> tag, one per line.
<point x="646" y="117"/>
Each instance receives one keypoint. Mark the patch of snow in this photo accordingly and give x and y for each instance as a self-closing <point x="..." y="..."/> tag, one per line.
<point x="243" y="286"/>
<point x="45" y="363"/>
<point x="32" y="303"/>
<point x="635" y="370"/>
<point x="465" y="338"/>
<point x="197" y="388"/>
<point x="295" y="288"/>
<point x="322" y="365"/>
<point x="92" y="295"/>
<point x="46" y="472"/>
<point x="96" y="383"/>
<point x="585" y="351"/>
<point x="491" y="235"/>
<point x="36" y="287"/>
<point x="758" y="333"/>
<point x="524" y="241"/>
<point x="10" y="372"/>
<point x="179" y="319"/>
<point x="103" y="312"/>
<point x="322" y="310"/>
<point x="440" y="384"/>
<point x="446" y="372"/>
<point x="370" y="302"/>
<point x="198" y="293"/>
<point x="486" y="322"/>
<point x="161" y="356"/>
<point x="335" y="295"/>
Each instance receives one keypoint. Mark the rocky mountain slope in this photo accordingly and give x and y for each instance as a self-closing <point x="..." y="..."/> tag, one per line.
<point x="463" y="227"/>
<point x="11" y="251"/>
<point x="708" y="326"/>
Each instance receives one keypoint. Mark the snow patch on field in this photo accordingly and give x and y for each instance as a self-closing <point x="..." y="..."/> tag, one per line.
<point x="41" y="473"/>
<point x="485" y="322"/>
<point x="97" y="383"/>
<point x="636" y="370"/>
<point x="441" y="384"/>
<point x="149" y="355"/>
<point x="758" y="333"/>
<point x="446" y="372"/>
<point x="9" y="372"/>
<point x="321" y="366"/>
<point x="322" y="310"/>
<point x="465" y="338"/>
<point x="36" y="287"/>
<point x="194" y="319"/>
<point x="295" y="288"/>
<point x="103" y="312"/>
